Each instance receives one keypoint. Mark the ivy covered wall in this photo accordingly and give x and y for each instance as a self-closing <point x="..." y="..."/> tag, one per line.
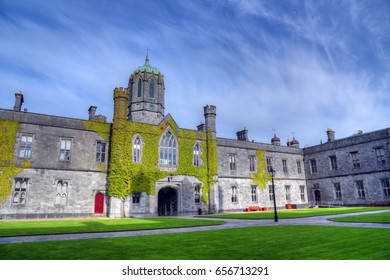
<point x="8" y="169"/>
<point x="126" y="177"/>
<point x="261" y="177"/>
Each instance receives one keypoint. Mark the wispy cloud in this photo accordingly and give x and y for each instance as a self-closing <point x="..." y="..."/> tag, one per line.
<point x="293" y="66"/>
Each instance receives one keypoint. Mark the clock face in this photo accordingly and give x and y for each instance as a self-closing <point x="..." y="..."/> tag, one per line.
<point x="152" y="107"/>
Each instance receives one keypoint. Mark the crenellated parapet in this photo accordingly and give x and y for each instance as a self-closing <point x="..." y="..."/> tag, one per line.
<point x="121" y="101"/>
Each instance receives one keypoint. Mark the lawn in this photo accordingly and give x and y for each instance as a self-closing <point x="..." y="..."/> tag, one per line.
<point x="95" y="225"/>
<point x="296" y="213"/>
<point x="369" y="218"/>
<point x="252" y="243"/>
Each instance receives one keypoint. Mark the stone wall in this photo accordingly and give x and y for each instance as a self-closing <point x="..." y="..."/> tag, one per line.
<point x="367" y="169"/>
<point x="42" y="190"/>
<point x="241" y="177"/>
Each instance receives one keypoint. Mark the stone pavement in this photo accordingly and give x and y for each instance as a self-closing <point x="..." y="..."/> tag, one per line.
<point x="229" y="223"/>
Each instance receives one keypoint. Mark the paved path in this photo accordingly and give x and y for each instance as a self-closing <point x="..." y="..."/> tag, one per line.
<point x="229" y="223"/>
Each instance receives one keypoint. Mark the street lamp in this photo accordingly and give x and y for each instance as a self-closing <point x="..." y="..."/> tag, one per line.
<point x="272" y="173"/>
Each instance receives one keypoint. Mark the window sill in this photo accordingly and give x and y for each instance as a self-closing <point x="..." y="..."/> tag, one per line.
<point x="167" y="168"/>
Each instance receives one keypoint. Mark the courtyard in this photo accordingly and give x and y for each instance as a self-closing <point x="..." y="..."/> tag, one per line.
<point x="359" y="235"/>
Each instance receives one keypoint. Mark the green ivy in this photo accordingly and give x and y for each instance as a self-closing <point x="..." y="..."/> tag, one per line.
<point x="127" y="177"/>
<point x="261" y="177"/>
<point x="102" y="129"/>
<point x="8" y="168"/>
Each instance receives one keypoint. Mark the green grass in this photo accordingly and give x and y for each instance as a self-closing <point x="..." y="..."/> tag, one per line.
<point x="298" y="213"/>
<point x="252" y="243"/>
<point x="369" y="218"/>
<point x="95" y="225"/>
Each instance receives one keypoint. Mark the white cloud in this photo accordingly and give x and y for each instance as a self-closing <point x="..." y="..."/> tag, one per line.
<point x="293" y="69"/>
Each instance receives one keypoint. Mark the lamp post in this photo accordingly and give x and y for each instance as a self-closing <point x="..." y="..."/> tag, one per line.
<point x="272" y="173"/>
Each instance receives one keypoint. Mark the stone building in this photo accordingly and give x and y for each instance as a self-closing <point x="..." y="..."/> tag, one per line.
<point x="143" y="164"/>
<point x="350" y="171"/>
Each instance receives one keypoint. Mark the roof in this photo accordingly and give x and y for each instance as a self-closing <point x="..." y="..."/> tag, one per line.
<point x="275" y="139"/>
<point x="147" y="67"/>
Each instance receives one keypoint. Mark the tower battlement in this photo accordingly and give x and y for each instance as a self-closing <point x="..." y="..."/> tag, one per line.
<point x="121" y="93"/>
<point x="210" y="110"/>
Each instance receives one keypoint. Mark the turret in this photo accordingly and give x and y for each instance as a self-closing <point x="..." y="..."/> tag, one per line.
<point x="147" y="91"/>
<point x="121" y="101"/>
<point x="210" y="113"/>
<point x="294" y="143"/>
<point x="275" y="140"/>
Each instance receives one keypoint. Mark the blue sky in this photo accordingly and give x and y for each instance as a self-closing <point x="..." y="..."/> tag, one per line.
<point x="297" y="67"/>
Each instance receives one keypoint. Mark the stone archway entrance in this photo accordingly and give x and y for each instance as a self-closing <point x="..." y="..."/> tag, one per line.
<point x="317" y="197"/>
<point x="167" y="202"/>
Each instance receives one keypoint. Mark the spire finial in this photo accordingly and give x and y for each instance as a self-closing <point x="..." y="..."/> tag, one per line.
<point x="147" y="58"/>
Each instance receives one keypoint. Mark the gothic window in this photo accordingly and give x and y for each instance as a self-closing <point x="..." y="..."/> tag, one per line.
<point x="386" y="187"/>
<point x="252" y="164"/>
<point x="151" y="88"/>
<point x="302" y="191"/>
<point x="101" y="151"/>
<point x="254" y="193"/>
<point x="360" y="189"/>
<point x="139" y="88"/>
<point x="313" y="166"/>
<point x="234" y="194"/>
<point x="136" y="197"/>
<point x="288" y="193"/>
<point x="20" y="191"/>
<point x="197" y="193"/>
<point x="25" y="146"/>
<point x="197" y="155"/>
<point x="137" y="148"/>
<point x="337" y="190"/>
<point x="168" y="150"/>
<point x="65" y="149"/>
<point x="61" y="192"/>
<point x="333" y="163"/>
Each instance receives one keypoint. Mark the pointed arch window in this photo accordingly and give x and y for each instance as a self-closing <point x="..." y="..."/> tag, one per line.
<point x="62" y="192"/>
<point x="139" y="88"/>
<point x="151" y="88"/>
<point x="137" y="149"/>
<point x="20" y="191"/>
<point x="168" y="150"/>
<point x="197" y="152"/>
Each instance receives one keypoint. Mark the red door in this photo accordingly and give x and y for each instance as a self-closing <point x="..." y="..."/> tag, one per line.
<point x="99" y="203"/>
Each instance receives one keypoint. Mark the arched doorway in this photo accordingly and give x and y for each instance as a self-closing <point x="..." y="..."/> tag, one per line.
<point x="167" y="202"/>
<point x="317" y="197"/>
<point x="99" y="203"/>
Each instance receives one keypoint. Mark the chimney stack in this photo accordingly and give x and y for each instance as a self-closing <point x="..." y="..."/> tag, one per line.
<point x="331" y="135"/>
<point x="18" y="101"/>
<point x="242" y="135"/>
<point x="92" y="112"/>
